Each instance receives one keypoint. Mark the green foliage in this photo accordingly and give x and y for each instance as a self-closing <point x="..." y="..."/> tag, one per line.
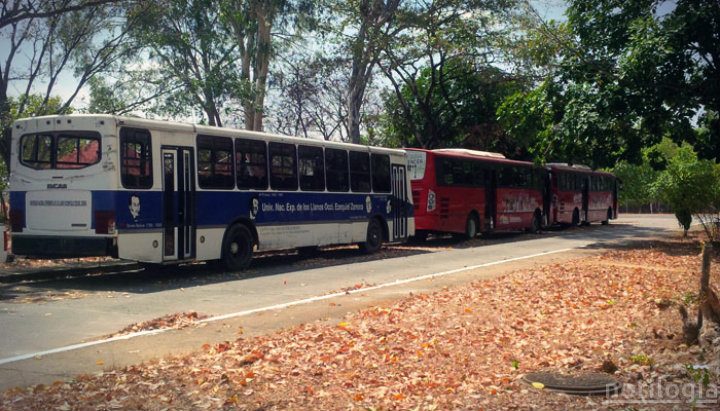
<point x="637" y="181"/>
<point x="454" y="107"/>
<point x="622" y="78"/>
<point x="689" y="185"/>
<point x="641" y="359"/>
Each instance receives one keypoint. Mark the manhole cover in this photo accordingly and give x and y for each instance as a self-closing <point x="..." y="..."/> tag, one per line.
<point x="591" y="383"/>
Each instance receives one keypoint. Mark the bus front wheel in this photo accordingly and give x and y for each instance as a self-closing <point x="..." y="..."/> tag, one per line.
<point x="237" y="248"/>
<point x="374" y="238"/>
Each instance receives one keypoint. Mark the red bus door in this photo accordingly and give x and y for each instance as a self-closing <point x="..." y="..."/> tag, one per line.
<point x="490" y="200"/>
<point x="585" y="199"/>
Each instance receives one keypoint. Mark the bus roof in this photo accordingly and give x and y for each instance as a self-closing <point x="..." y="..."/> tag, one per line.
<point x="202" y="129"/>
<point x="473" y="154"/>
<point x="576" y="168"/>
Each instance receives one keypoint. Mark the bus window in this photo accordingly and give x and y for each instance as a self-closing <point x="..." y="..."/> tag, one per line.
<point x="283" y="169"/>
<point x="36" y="151"/>
<point x="75" y="152"/>
<point x="251" y="164"/>
<point x="215" y="162"/>
<point x="336" y="169"/>
<point x="135" y="158"/>
<point x="66" y="151"/>
<point x="359" y="172"/>
<point x="311" y="168"/>
<point x="380" y="173"/>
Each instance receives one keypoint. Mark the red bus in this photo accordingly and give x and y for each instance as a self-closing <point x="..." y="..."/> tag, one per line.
<point x="580" y="195"/>
<point x="465" y="192"/>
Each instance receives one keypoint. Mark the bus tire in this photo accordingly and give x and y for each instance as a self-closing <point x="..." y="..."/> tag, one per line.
<point x="237" y="249"/>
<point x="609" y="216"/>
<point x="471" y="227"/>
<point x="374" y="238"/>
<point x="536" y="226"/>
<point x="575" y="218"/>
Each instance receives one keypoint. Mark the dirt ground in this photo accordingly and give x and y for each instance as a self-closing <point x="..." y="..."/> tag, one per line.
<point x="465" y="347"/>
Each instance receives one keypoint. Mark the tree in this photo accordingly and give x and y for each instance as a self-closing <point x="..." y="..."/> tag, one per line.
<point x="629" y="73"/>
<point x="365" y="29"/>
<point x="454" y="107"/>
<point x="187" y="41"/>
<point x="252" y="23"/>
<point x="48" y="39"/>
<point x="429" y="50"/>
<point x="691" y="187"/>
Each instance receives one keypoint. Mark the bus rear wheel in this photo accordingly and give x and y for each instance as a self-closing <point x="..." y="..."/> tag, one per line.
<point x="374" y="238"/>
<point x="237" y="248"/>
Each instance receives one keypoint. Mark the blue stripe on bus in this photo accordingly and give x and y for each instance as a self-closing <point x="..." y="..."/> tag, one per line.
<point x="218" y="208"/>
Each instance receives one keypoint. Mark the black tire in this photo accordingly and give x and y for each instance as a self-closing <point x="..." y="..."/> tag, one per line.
<point x="536" y="226"/>
<point x="471" y="227"/>
<point x="374" y="239"/>
<point x="576" y="218"/>
<point x="237" y="249"/>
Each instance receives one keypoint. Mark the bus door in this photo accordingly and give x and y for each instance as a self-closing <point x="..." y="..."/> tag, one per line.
<point x="546" y="194"/>
<point x="490" y="200"/>
<point x="178" y="203"/>
<point x="585" y="198"/>
<point x="400" y="201"/>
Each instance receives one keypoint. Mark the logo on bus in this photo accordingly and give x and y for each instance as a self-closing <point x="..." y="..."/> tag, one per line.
<point x="56" y="186"/>
<point x="254" y="207"/>
<point x="134" y="206"/>
<point x="368" y="204"/>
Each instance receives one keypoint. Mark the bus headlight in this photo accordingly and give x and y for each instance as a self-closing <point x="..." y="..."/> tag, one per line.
<point x="431" y="201"/>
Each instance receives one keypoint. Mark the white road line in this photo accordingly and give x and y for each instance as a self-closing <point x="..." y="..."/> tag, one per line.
<point x="273" y="307"/>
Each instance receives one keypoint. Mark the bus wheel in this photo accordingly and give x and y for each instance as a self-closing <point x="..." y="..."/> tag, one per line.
<point x="536" y="224"/>
<point x="576" y="218"/>
<point x="374" y="238"/>
<point x="609" y="216"/>
<point x="471" y="227"/>
<point x="237" y="248"/>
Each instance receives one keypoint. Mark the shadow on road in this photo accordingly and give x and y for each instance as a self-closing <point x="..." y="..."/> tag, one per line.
<point x="152" y="279"/>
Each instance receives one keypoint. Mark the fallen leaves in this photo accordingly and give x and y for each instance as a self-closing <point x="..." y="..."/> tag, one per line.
<point x="174" y="321"/>
<point x="464" y="347"/>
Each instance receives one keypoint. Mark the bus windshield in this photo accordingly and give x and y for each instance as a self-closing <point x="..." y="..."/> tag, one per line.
<point x="67" y="150"/>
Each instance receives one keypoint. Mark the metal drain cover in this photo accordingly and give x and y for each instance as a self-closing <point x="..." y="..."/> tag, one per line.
<point x="590" y="383"/>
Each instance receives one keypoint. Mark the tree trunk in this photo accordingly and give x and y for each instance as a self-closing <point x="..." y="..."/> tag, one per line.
<point x="262" y="61"/>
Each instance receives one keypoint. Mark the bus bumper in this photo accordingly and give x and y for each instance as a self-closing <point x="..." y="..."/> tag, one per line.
<point x="63" y="247"/>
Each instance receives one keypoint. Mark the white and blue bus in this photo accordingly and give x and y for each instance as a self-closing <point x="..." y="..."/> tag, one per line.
<point x="164" y="192"/>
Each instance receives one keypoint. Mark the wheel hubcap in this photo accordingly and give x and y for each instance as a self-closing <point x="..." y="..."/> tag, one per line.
<point x="234" y="247"/>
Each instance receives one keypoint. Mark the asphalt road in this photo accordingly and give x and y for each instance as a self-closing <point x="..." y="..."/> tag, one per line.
<point x="43" y="317"/>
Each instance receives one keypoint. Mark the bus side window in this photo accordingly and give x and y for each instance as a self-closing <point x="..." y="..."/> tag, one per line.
<point x="283" y="167"/>
<point x="311" y="168"/>
<point x="251" y="164"/>
<point x="135" y="158"/>
<point x="215" y="162"/>
<point x="359" y="172"/>
<point x="336" y="170"/>
<point x="381" y="173"/>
